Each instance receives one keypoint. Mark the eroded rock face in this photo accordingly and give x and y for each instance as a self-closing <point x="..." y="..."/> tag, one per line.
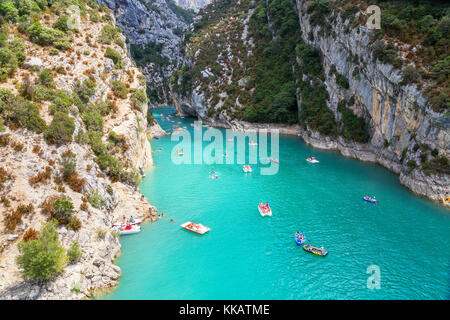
<point x="398" y="115"/>
<point x="192" y="4"/>
<point x="149" y="22"/>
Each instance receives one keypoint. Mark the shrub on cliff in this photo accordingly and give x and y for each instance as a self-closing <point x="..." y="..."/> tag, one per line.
<point x="42" y="259"/>
<point x="353" y="128"/>
<point x="95" y="199"/>
<point x="68" y="163"/>
<point x="45" y="78"/>
<point x="45" y="36"/>
<point x="119" y="89"/>
<point x="63" y="209"/>
<point x="84" y="90"/>
<point x="60" y="129"/>
<point x="25" y="114"/>
<point x="93" y="121"/>
<point x="74" y="253"/>
<point x="109" y="33"/>
<point x="138" y="99"/>
<point x="114" y="56"/>
<point x="74" y="224"/>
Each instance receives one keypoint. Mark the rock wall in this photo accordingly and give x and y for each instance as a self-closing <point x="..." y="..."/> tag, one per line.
<point x="152" y="22"/>
<point x="95" y="270"/>
<point x="397" y="114"/>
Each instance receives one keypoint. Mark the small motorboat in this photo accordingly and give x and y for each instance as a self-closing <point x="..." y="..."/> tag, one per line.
<point x="371" y="200"/>
<point x="317" y="251"/>
<point x="119" y="224"/>
<point x="127" y="229"/>
<point x="264" y="210"/>
<point x="312" y="160"/>
<point x="180" y="153"/>
<point x="252" y="143"/>
<point x="300" y="239"/>
<point x="446" y="200"/>
<point x="247" y="168"/>
<point x="194" y="227"/>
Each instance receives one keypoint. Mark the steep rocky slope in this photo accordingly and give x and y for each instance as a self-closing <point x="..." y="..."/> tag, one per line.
<point x="192" y="4"/>
<point x="154" y="30"/>
<point x="104" y="129"/>
<point x="349" y="88"/>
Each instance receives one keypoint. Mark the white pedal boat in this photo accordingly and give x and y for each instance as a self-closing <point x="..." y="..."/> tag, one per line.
<point x="127" y="230"/>
<point x="119" y="224"/>
<point x="194" y="227"/>
<point x="264" y="213"/>
<point x="312" y="160"/>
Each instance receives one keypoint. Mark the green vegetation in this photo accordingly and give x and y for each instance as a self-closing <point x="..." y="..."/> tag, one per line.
<point x="114" y="56"/>
<point x="60" y="129"/>
<point x="119" y="89"/>
<point x="11" y="56"/>
<point x="353" y="127"/>
<point x="22" y="113"/>
<point x="42" y="259"/>
<point x="95" y="199"/>
<point x="138" y="98"/>
<point x="314" y="111"/>
<point x="85" y="90"/>
<point x="74" y="252"/>
<point x="109" y="34"/>
<point x="63" y="209"/>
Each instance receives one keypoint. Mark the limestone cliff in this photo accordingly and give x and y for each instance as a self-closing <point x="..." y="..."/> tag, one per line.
<point x="30" y="162"/>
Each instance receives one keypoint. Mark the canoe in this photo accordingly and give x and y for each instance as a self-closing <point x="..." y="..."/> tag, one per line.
<point x="315" y="250"/>
<point x="118" y="224"/>
<point x="127" y="230"/>
<point x="366" y="198"/>
<point x="194" y="227"/>
<point x="263" y="214"/>
<point x="298" y="241"/>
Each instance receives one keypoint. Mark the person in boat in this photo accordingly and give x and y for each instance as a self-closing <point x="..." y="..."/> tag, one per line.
<point x="132" y="219"/>
<point x="124" y="219"/>
<point x="297" y="235"/>
<point x="128" y="224"/>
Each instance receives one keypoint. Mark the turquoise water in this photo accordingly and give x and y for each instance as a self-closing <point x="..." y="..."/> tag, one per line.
<point x="246" y="256"/>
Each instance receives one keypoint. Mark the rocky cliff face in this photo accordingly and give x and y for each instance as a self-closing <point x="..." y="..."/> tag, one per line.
<point x="399" y="115"/>
<point x="25" y="153"/>
<point x="158" y="26"/>
<point x="193" y="4"/>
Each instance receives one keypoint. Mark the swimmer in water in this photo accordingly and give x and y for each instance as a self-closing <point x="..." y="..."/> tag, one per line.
<point x="171" y="220"/>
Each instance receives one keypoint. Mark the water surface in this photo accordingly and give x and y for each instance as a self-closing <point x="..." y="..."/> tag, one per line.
<point x="246" y="256"/>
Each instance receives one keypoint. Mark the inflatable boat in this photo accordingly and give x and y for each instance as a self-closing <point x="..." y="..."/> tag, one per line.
<point x="127" y="230"/>
<point x="264" y="212"/>
<point x="298" y="240"/>
<point x="312" y="160"/>
<point x="371" y="200"/>
<point x="194" y="227"/>
<point x="119" y="224"/>
<point x="315" y="250"/>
